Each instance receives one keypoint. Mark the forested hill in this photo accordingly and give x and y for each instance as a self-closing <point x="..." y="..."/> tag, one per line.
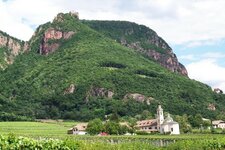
<point x="72" y="70"/>
<point x="142" y="39"/>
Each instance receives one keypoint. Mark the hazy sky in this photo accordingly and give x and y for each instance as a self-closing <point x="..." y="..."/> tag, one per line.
<point x="195" y="29"/>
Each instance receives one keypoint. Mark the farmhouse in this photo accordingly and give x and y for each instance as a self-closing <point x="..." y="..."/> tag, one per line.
<point x="218" y="124"/>
<point x="147" y="125"/>
<point x="79" y="129"/>
<point x="159" y="124"/>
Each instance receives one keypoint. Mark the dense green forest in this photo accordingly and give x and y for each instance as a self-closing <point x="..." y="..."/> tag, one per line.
<point x="130" y="32"/>
<point x="34" y="85"/>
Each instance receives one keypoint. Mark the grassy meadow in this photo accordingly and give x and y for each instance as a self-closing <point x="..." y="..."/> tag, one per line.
<point x="36" y="129"/>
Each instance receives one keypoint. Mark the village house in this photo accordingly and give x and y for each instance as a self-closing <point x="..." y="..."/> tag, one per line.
<point x="218" y="124"/>
<point x="159" y="124"/>
<point x="79" y="129"/>
<point x="147" y="125"/>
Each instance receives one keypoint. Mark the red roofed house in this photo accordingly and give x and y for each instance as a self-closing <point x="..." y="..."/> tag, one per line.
<point x="79" y="129"/>
<point x="147" y="125"/>
<point x="218" y="124"/>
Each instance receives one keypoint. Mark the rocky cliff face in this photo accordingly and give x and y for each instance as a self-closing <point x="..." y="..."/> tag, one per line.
<point x="48" y="37"/>
<point x="70" y="89"/>
<point x="167" y="59"/>
<point x="156" y="49"/>
<point x="50" y="40"/>
<point x="99" y="92"/>
<point x="61" y="16"/>
<point x="12" y="47"/>
<point x="139" y="98"/>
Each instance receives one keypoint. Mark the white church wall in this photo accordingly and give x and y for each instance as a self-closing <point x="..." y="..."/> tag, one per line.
<point x="170" y="128"/>
<point x="176" y="129"/>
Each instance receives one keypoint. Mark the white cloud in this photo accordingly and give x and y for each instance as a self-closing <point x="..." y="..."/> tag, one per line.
<point x="208" y="55"/>
<point x="187" y="57"/>
<point x="213" y="55"/>
<point x="178" y="22"/>
<point x="20" y="16"/>
<point x="198" y="21"/>
<point x="198" y="43"/>
<point x="208" y="71"/>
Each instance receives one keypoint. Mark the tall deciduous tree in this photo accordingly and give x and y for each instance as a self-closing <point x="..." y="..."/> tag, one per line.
<point x="112" y="127"/>
<point x="95" y="126"/>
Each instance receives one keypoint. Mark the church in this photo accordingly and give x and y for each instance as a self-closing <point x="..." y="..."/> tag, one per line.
<point x="159" y="124"/>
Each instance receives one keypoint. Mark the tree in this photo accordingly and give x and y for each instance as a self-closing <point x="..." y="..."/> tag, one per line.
<point x="112" y="127"/>
<point x="114" y="117"/>
<point x="207" y="123"/>
<point x="195" y="121"/>
<point x="221" y="116"/>
<point x="183" y="122"/>
<point x="95" y="126"/>
<point x="123" y="129"/>
<point x="146" y="115"/>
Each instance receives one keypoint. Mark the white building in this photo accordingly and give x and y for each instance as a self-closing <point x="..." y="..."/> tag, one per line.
<point x="166" y="125"/>
<point x="159" y="124"/>
<point x="79" y="129"/>
<point x="218" y="124"/>
<point x="170" y="126"/>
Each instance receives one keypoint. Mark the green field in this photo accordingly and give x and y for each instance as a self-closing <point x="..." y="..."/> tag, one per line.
<point x="37" y="131"/>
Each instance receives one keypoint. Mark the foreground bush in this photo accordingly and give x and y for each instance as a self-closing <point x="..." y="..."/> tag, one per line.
<point x="118" y="146"/>
<point x="23" y="143"/>
<point x="212" y="144"/>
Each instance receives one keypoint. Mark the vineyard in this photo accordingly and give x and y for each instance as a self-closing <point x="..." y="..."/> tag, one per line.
<point x="38" y="136"/>
<point x="21" y="143"/>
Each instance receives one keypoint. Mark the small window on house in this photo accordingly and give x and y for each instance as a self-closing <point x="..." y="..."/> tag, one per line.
<point x="156" y="127"/>
<point x="150" y="128"/>
<point x="171" y="129"/>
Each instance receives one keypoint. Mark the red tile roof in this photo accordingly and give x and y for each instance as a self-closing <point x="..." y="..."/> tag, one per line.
<point x="144" y="123"/>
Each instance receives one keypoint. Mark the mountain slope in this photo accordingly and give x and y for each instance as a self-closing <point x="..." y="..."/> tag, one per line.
<point x="142" y="39"/>
<point x="74" y="72"/>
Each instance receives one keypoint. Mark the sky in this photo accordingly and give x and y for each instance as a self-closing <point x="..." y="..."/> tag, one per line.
<point x="195" y="29"/>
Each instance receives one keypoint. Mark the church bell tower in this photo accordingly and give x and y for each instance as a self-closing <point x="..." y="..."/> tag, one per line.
<point x="160" y="117"/>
